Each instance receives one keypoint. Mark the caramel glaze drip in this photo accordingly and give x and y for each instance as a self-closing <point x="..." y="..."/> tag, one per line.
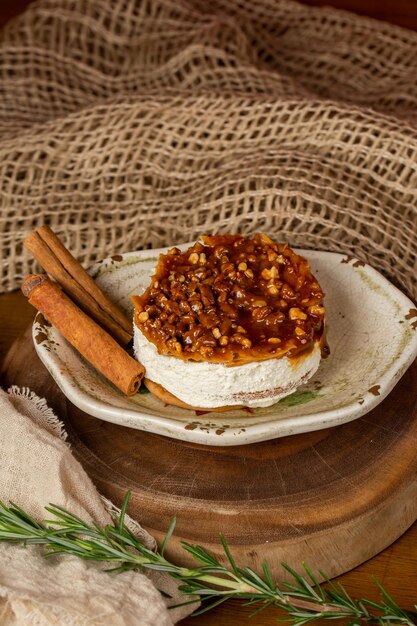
<point x="229" y="299"/>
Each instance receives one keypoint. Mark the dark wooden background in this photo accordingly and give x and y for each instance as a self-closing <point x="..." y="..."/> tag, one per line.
<point x="401" y="12"/>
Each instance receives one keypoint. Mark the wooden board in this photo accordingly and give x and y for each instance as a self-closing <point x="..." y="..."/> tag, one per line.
<point x="334" y="497"/>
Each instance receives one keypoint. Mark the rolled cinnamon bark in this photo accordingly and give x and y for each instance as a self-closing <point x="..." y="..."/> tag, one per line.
<point x="55" y="259"/>
<point x="91" y="341"/>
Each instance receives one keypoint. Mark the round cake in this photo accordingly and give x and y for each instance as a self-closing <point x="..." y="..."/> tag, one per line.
<point x="230" y="322"/>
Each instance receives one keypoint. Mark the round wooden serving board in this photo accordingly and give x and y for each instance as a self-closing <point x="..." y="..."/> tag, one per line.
<point x="332" y="498"/>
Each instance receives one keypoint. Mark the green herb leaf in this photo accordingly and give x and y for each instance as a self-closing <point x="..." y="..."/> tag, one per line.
<point x="303" y="599"/>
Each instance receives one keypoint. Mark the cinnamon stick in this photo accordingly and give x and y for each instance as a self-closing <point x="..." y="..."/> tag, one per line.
<point x="91" y="341"/>
<point x="57" y="261"/>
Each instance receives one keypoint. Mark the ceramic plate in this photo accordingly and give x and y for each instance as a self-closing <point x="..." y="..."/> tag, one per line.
<point x="371" y="329"/>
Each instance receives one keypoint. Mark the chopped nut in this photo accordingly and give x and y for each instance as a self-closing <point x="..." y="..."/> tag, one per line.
<point x="193" y="258"/>
<point x="172" y="307"/>
<point x="274" y="340"/>
<point x="181" y="278"/>
<point x="184" y="306"/>
<point x="274" y="318"/>
<point x="266" y="274"/>
<point x="229" y="310"/>
<point x="241" y="339"/>
<point x="226" y="268"/>
<point x="174" y="251"/>
<point x="248" y="273"/>
<point x="174" y="345"/>
<point x="259" y="303"/>
<point x="170" y="329"/>
<point x="223" y="341"/>
<point x="266" y="239"/>
<point x="260" y="313"/>
<point x="242" y="266"/>
<point x="207" y="340"/>
<point x="207" y="293"/>
<point x="273" y="290"/>
<point x="203" y="258"/>
<point x="300" y="332"/>
<point x="218" y="251"/>
<point x="272" y="272"/>
<point x="240" y="293"/>
<point x="216" y="333"/>
<point x="296" y="314"/>
<point x="225" y="326"/>
<point x="242" y="330"/>
<point x="287" y="292"/>
<point x="196" y="306"/>
<point x="142" y="317"/>
<point x="316" y="309"/>
<point x="206" y="351"/>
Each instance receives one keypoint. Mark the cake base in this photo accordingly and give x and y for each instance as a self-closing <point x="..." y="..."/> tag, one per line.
<point x="168" y="398"/>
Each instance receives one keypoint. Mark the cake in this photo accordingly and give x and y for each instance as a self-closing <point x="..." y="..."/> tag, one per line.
<point x="229" y="322"/>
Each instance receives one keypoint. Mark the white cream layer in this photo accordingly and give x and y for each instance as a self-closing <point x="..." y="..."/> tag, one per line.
<point x="210" y="385"/>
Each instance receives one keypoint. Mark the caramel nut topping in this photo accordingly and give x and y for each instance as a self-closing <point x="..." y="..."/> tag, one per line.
<point x="232" y="299"/>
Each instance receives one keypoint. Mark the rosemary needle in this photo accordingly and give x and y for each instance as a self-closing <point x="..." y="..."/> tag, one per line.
<point x="303" y="600"/>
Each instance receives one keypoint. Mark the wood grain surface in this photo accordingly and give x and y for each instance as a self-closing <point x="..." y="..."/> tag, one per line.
<point x="396" y="566"/>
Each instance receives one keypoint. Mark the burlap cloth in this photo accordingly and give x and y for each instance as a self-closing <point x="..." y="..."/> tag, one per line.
<point x="132" y="123"/>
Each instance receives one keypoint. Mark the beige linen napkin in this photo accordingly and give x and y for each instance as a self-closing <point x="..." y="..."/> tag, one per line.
<point x="37" y="468"/>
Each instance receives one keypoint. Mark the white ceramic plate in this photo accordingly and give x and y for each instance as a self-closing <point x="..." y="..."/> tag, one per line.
<point x="372" y="333"/>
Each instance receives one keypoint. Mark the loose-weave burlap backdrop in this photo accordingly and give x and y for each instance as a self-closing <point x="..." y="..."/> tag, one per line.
<point x="127" y="123"/>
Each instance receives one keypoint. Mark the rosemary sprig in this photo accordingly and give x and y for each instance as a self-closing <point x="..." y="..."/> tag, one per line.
<point x="303" y="600"/>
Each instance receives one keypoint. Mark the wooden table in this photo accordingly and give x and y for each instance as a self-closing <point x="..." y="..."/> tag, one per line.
<point x="396" y="567"/>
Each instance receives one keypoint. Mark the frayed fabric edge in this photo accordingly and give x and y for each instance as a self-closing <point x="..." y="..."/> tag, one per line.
<point x="48" y="417"/>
